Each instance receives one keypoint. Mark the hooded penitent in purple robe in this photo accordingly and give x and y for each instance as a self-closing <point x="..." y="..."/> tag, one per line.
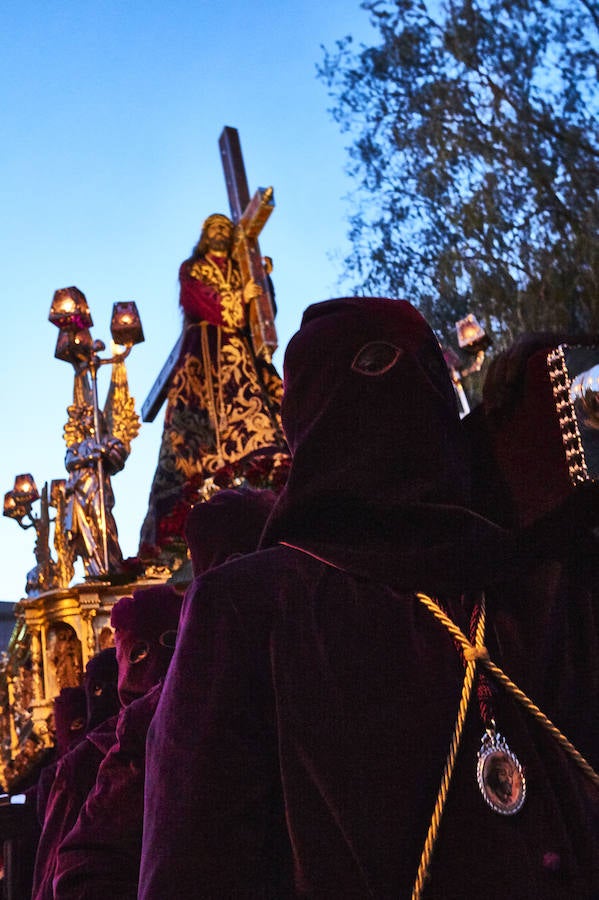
<point x="70" y="715"/>
<point x="74" y="778"/>
<point x="101" y="702"/>
<point x="76" y="711"/>
<point x="547" y="622"/>
<point x="145" y="625"/>
<point x="101" y="687"/>
<point x="20" y="825"/>
<point x="300" y="739"/>
<point x="229" y="524"/>
<point x="100" y="857"/>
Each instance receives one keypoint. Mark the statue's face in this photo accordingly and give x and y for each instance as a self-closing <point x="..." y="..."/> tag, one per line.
<point x="219" y="234"/>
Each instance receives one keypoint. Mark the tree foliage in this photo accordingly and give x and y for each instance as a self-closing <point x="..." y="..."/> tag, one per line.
<point x="474" y="142"/>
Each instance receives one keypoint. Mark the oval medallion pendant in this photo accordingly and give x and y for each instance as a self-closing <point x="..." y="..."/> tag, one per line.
<point x="499" y="775"/>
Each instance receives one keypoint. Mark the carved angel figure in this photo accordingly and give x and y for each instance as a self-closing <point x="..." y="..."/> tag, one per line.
<point x="95" y="452"/>
<point x="90" y="499"/>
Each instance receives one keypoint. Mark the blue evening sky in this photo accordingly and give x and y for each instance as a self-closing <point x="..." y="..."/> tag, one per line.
<point x="110" y="116"/>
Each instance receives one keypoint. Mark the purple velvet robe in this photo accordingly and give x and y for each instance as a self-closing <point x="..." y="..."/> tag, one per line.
<point x="99" y="858"/>
<point x="75" y="777"/>
<point x="299" y="742"/>
<point x="546" y="622"/>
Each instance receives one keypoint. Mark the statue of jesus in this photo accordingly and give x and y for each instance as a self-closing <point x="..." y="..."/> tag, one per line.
<point x="224" y="401"/>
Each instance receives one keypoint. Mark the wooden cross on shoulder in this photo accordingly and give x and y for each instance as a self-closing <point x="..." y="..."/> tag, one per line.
<point x="249" y="217"/>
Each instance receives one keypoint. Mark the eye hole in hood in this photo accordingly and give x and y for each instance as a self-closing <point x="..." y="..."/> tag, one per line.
<point x="139" y="651"/>
<point x="376" y="358"/>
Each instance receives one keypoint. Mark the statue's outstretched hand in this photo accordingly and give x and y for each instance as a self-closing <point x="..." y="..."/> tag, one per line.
<point x="251" y="291"/>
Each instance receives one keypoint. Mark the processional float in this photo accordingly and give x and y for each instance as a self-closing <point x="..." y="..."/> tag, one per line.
<point x="64" y="619"/>
<point x="61" y="625"/>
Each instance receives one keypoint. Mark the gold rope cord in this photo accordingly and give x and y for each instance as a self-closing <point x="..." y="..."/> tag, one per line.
<point x="433" y="830"/>
<point x="474" y="653"/>
<point x="481" y="654"/>
<point x="207" y="361"/>
<point x="222" y="414"/>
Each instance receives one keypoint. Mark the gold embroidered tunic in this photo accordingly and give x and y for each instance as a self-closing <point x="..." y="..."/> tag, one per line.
<point x="223" y="404"/>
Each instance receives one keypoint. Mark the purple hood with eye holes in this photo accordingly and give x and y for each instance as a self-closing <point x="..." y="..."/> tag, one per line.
<point x="379" y="483"/>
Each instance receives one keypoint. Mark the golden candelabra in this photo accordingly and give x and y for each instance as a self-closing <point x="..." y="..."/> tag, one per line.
<point x="60" y="626"/>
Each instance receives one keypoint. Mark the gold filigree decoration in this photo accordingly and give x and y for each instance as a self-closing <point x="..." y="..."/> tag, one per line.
<point x="161" y="573"/>
<point x="227" y="285"/>
<point x="80" y="411"/>
<point x="74" y="430"/>
<point x="65" y="554"/>
<point x="273" y="383"/>
<point x="189" y="381"/>
<point x="248" y="421"/>
<point x="119" y="410"/>
<point x="63" y="651"/>
<point x="571" y="438"/>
